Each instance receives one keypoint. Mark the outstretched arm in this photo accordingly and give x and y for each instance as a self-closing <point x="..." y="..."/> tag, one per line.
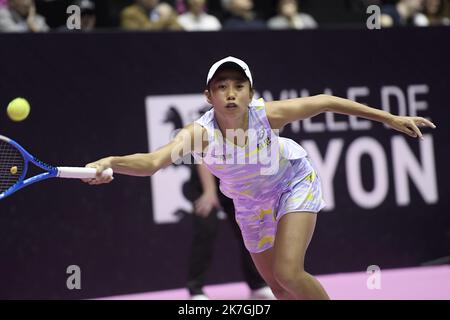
<point x="283" y="112"/>
<point x="146" y="164"/>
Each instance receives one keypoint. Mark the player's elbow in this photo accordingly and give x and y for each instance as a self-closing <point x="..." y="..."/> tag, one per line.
<point x="150" y="165"/>
<point x="153" y="166"/>
<point x="323" y="102"/>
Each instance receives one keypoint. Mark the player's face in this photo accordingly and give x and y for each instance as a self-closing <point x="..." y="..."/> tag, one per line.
<point x="229" y="92"/>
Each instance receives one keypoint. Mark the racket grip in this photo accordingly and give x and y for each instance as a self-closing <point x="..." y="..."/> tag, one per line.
<point x="81" y="173"/>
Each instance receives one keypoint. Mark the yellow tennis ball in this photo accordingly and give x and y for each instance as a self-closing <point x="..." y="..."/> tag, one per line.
<point x="18" y="109"/>
<point x="13" y="170"/>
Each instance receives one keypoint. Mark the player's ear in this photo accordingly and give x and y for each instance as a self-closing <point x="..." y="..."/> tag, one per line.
<point x="207" y="95"/>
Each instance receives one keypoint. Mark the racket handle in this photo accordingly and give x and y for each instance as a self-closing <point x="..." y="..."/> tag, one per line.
<point x="81" y="173"/>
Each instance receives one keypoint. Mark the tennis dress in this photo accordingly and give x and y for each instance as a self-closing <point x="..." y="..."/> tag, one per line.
<point x="267" y="178"/>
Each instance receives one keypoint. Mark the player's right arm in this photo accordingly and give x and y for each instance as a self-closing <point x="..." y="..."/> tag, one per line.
<point x="190" y="138"/>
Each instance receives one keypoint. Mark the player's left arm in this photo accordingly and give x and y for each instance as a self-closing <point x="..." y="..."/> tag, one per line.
<point x="283" y="112"/>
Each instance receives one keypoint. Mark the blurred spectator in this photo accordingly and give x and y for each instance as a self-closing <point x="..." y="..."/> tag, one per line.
<point x="21" y="16"/>
<point x="88" y="18"/>
<point x="401" y="14"/>
<point x="434" y="13"/>
<point x="149" y="15"/>
<point x="289" y="17"/>
<point x="242" y="15"/>
<point x="196" y="19"/>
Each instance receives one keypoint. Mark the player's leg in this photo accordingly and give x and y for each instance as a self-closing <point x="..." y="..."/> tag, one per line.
<point x="264" y="262"/>
<point x="251" y="274"/>
<point x="294" y="232"/>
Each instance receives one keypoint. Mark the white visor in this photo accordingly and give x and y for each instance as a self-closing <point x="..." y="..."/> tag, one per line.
<point x="237" y="61"/>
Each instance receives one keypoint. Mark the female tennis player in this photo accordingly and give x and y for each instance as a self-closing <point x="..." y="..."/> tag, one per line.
<point x="275" y="189"/>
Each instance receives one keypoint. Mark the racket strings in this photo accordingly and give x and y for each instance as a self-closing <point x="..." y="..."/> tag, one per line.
<point x="11" y="166"/>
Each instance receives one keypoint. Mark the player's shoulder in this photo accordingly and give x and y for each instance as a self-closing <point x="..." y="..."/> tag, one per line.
<point x="274" y="113"/>
<point x="196" y="131"/>
<point x="258" y="104"/>
<point x="198" y="136"/>
<point x="262" y="108"/>
<point x="207" y="119"/>
<point x="195" y="128"/>
<point x="270" y="106"/>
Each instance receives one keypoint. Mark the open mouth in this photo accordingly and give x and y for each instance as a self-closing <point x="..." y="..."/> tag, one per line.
<point x="231" y="105"/>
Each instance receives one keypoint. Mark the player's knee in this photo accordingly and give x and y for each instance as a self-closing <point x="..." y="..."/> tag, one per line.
<point x="288" y="274"/>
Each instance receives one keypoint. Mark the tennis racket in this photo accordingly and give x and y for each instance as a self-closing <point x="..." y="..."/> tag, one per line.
<point x="14" y="161"/>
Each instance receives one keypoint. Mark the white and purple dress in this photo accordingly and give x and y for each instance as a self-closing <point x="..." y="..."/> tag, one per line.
<point x="267" y="178"/>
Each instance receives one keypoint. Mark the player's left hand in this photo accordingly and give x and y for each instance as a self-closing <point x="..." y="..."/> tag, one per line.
<point x="410" y="125"/>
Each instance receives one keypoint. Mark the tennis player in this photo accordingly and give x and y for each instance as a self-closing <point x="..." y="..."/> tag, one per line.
<point x="275" y="189"/>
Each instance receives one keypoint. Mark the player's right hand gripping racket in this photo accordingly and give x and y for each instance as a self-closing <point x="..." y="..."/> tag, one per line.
<point x="14" y="162"/>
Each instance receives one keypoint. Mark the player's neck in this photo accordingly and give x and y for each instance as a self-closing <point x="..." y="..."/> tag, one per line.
<point x="238" y="137"/>
<point x="232" y="123"/>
